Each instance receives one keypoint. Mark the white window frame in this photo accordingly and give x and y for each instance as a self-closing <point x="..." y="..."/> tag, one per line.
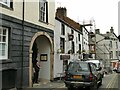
<point x="2" y="42"/>
<point x="5" y="2"/>
<point x="43" y="11"/>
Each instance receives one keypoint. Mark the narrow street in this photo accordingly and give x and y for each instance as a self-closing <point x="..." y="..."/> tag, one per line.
<point x="110" y="81"/>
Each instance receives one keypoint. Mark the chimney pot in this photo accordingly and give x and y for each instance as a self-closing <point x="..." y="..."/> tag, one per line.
<point x="61" y="11"/>
<point x="97" y="31"/>
<point x="111" y="30"/>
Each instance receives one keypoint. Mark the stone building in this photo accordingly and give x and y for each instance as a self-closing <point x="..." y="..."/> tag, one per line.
<point x="24" y="23"/>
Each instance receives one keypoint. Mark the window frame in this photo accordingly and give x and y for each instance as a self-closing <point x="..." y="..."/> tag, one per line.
<point x="2" y="42"/>
<point x="8" y="4"/>
<point x="62" y="29"/>
<point x="78" y="37"/>
<point x="62" y="44"/>
<point x="111" y="54"/>
<point x="43" y="13"/>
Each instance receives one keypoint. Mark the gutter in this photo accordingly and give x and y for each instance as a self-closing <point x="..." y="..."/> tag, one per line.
<point x="22" y="54"/>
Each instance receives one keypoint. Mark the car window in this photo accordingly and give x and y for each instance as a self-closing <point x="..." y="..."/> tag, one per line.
<point x="93" y="67"/>
<point x="78" y="67"/>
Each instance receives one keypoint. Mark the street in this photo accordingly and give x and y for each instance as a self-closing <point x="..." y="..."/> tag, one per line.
<point x="110" y="81"/>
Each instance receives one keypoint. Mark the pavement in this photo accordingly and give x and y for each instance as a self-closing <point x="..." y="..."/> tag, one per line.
<point x="50" y="84"/>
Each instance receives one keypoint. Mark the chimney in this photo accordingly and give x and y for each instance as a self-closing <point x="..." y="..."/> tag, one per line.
<point x="107" y="34"/>
<point x="97" y="31"/>
<point x="111" y="30"/>
<point x="61" y="11"/>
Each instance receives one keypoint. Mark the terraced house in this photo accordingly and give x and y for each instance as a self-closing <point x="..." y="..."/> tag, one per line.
<point x="24" y="23"/>
<point x="67" y="41"/>
<point x="107" y="48"/>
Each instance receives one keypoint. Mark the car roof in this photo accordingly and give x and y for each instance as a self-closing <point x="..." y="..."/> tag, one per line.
<point x="94" y="61"/>
<point x="78" y="61"/>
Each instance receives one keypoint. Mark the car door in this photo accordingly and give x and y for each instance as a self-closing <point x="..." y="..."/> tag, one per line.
<point x="93" y="70"/>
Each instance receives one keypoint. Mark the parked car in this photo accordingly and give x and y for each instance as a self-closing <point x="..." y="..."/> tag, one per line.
<point x="117" y="70"/>
<point x="99" y="65"/>
<point x="117" y="67"/>
<point x="82" y="74"/>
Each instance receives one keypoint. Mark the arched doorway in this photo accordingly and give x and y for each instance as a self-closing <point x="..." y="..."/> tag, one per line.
<point x="43" y="42"/>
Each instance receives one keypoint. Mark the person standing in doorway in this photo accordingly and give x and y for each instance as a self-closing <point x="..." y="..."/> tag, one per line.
<point x="36" y="68"/>
<point x="35" y="63"/>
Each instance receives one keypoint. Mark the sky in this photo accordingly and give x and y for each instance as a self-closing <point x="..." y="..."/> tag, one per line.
<point x="104" y="13"/>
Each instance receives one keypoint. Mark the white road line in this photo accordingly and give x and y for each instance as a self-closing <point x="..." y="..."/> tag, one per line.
<point x="110" y="83"/>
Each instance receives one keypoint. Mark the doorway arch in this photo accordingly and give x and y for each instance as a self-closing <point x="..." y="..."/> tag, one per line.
<point x="39" y="36"/>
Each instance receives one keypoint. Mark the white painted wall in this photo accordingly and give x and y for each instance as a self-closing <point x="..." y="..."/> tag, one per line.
<point x="58" y="64"/>
<point x="44" y="48"/>
<point x="103" y="47"/>
<point x="114" y="48"/>
<point x="31" y="12"/>
<point x="85" y="41"/>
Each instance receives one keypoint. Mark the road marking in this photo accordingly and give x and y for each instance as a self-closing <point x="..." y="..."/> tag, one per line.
<point x="111" y="82"/>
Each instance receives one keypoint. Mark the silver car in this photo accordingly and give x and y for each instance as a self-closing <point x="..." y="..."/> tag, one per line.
<point x="118" y="70"/>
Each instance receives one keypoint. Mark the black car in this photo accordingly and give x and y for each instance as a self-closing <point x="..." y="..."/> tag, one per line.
<point x="82" y="74"/>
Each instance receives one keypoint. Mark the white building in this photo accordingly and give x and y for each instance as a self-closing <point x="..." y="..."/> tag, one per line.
<point x="85" y="42"/>
<point x="67" y="41"/>
<point x="107" y="47"/>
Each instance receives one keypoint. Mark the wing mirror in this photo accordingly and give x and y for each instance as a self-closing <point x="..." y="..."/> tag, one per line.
<point x="98" y="69"/>
<point x="115" y="69"/>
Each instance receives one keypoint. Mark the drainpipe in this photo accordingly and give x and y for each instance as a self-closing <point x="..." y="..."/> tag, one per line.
<point x="21" y="84"/>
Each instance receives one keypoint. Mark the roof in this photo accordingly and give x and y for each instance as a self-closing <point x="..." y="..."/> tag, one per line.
<point x="69" y="22"/>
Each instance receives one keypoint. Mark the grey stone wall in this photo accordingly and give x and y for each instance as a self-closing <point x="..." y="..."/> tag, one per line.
<point x="15" y="46"/>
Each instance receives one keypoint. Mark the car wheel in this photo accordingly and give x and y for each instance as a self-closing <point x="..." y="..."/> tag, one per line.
<point x="70" y="88"/>
<point x="95" y="87"/>
<point x="103" y="75"/>
<point x="100" y="82"/>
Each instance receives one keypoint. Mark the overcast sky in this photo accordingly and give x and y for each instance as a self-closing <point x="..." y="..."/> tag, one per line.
<point x="104" y="12"/>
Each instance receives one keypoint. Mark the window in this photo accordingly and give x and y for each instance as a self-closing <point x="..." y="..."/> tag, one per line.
<point x="117" y="53"/>
<point x="111" y="54"/>
<point x="72" y="31"/>
<point x="93" y="67"/>
<point x="73" y="47"/>
<point x="3" y="43"/>
<point x="43" y="11"/>
<point x="62" y="29"/>
<point x="110" y="44"/>
<point x="116" y="45"/>
<point x="8" y="3"/>
<point x="79" y="48"/>
<point x="79" y="37"/>
<point x="62" y="45"/>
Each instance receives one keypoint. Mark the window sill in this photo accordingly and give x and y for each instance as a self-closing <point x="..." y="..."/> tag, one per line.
<point x="5" y="6"/>
<point x="44" y="22"/>
<point x="2" y="61"/>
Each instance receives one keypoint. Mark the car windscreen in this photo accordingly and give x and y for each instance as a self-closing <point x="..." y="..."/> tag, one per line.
<point x="76" y="67"/>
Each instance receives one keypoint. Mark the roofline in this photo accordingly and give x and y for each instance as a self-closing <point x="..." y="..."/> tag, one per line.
<point x="59" y="19"/>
